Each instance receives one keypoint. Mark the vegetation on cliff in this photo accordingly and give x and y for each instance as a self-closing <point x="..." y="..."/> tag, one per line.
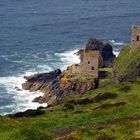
<point x="127" y="65"/>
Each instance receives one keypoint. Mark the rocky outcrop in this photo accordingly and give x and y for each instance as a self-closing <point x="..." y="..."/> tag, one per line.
<point x="27" y="113"/>
<point x="35" y="82"/>
<point x="105" y="49"/>
<point x="56" y="85"/>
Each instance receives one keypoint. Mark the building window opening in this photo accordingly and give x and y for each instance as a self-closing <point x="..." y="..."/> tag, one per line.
<point x="138" y="38"/>
<point x="88" y="62"/>
<point x="92" y="68"/>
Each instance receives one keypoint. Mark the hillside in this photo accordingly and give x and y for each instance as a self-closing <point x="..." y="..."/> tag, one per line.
<point x="111" y="112"/>
<point x="127" y="66"/>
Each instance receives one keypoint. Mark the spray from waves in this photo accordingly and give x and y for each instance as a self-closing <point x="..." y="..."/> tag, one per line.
<point x="113" y="42"/>
<point x="68" y="57"/>
<point x="22" y="99"/>
<point x="116" y="46"/>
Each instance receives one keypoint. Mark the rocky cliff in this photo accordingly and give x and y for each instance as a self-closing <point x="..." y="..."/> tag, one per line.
<point x="56" y="85"/>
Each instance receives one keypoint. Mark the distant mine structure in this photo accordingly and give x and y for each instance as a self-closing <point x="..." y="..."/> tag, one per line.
<point x="96" y="54"/>
<point x="135" y="37"/>
<point x="89" y="64"/>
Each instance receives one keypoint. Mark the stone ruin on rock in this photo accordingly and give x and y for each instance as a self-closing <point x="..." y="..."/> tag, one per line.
<point x="135" y="37"/>
<point x="96" y="54"/>
<point x="89" y="64"/>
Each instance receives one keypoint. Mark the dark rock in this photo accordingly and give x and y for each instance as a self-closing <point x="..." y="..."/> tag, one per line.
<point x="36" y="81"/>
<point x="41" y="107"/>
<point x="105" y="49"/>
<point x="96" y="81"/>
<point x="78" y="112"/>
<point x="18" y="89"/>
<point x="108" y="106"/>
<point x="27" y="85"/>
<point x="125" y="88"/>
<point x="80" y="101"/>
<point x="104" y="96"/>
<point x="98" y="98"/>
<point x="27" y="113"/>
<point x="104" y="74"/>
<point x="37" y="99"/>
<point x="63" y="132"/>
<point x="68" y="106"/>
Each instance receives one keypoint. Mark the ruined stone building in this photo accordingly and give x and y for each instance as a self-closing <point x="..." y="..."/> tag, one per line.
<point x="135" y="37"/>
<point x="96" y="54"/>
<point x="89" y="64"/>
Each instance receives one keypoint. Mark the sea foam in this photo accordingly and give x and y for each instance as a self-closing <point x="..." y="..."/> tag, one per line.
<point x="22" y="98"/>
<point x="116" y="46"/>
<point x="68" y="58"/>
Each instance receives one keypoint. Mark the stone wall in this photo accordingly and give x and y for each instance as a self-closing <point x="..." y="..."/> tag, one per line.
<point x="76" y="68"/>
<point x="135" y="37"/>
<point x="89" y="65"/>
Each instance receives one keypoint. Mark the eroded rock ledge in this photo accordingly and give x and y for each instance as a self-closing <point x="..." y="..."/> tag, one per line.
<point x="55" y="85"/>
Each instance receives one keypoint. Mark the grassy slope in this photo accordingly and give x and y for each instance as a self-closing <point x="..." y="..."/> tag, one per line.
<point x="124" y="64"/>
<point x="82" y="118"/>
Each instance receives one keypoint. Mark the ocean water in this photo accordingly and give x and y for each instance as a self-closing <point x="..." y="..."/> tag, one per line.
<point x="42" y="35"/>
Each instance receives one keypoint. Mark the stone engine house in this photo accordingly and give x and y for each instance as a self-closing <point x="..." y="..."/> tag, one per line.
<point x="89" y="65"/>
<point x="135" y="37"/>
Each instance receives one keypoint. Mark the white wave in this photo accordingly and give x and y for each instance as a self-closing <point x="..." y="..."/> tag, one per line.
<point x="115" y="43"/>
<point x="116" y="46"/>
<point x="116" y="53"/>
<point x="44" y="68"/>
<point x="23" y="99"/>
<point x="68" y="58"/>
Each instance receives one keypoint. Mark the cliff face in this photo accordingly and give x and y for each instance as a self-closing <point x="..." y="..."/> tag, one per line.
<point x="56" y="85"/>
<point x="127" y="66"/>
<point x="105" y="49"/>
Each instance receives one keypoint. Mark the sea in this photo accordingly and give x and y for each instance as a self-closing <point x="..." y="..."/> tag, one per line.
<point x="43" y="35"/>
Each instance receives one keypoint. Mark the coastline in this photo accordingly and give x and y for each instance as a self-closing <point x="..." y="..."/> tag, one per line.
<point x="19" y="95"/>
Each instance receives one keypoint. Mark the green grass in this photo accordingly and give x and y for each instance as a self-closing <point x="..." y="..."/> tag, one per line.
<point x="55" y="119"/>
<point x="125" y="64"/>
<point x="78" y="77"/>
<point x="106" y="69"/>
